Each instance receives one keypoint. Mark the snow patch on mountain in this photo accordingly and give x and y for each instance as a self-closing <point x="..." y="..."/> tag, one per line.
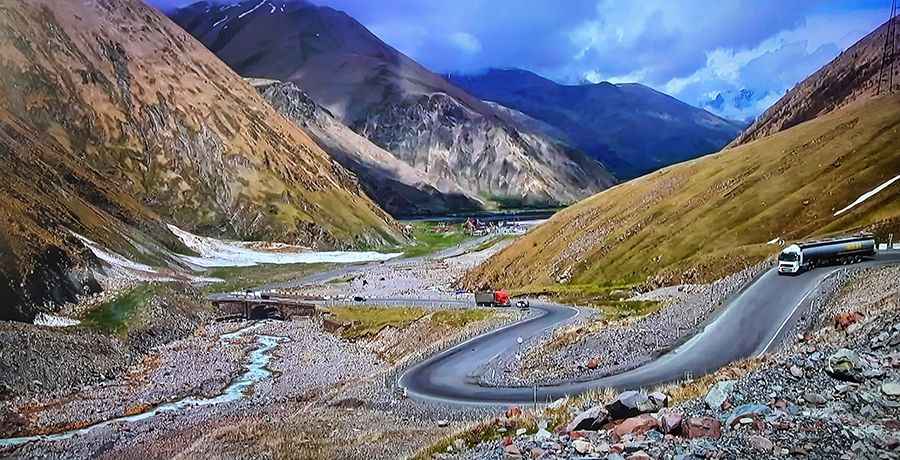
<point x="867" y="195"/>
<point x="220" y="253"/>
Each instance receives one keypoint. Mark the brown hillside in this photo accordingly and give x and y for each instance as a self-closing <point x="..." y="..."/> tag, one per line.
<point x="123" y="112"/>
<point x="699" y="220"/>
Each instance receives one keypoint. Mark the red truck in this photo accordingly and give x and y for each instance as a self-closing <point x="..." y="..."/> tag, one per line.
<point x="492" y="298"/>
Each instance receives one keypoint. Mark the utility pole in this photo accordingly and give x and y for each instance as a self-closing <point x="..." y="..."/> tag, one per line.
<point x="888" y="52"/>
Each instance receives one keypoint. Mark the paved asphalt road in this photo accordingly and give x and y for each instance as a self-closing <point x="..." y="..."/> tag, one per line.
<point x="753" y="322"/>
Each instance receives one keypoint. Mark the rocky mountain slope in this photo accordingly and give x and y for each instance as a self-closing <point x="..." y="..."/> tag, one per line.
<point x="629" y="127"/>
<point x="114" y="122"/>
<point x="713" y="216"/>
<point x="393" y="184"/>
<point x="424" y="121"/>
<point x="852" y="76"/>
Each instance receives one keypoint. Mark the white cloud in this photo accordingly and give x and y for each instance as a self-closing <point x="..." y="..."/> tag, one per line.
<point x="466" y="42"/>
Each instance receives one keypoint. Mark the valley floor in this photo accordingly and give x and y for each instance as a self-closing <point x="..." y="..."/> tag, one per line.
<point x="299" y="389"/>
<point x="313" y="394"/>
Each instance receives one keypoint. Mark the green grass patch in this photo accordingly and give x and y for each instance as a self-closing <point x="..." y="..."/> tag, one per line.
<point x="610" y="299"/>
<point x="366" y="322"/>
<point x="242" y="278"/>
<point x="114" y="316"/>
<point x="429" y="239"/>
<point x="460" y="318"/>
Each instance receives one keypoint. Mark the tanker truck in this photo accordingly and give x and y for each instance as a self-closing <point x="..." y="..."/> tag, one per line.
<point x="803" y="256"/>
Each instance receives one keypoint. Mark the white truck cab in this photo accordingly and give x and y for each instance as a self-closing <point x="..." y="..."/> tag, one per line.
<point x="790" y="260"/>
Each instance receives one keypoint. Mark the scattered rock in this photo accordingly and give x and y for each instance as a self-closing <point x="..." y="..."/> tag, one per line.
<point x="754" y="411"/>
<point x="701" y="427"/>
<point x="718" y="394"/>
<point x="640" y="455"/>
<point x="592" y="419"/>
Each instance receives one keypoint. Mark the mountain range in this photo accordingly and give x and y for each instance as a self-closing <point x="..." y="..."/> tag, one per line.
<point x="457" y="143"/>
<point x="630" y="128"/>
<point x="114" y="123"/>
<point x="819" y="163"/>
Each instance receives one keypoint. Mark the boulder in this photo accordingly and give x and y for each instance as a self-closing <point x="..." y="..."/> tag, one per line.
<point x="542" y="434"/>
<point x="592" y="419"/>
<point x="512" y="452"/>
<point x="513" y="411"/>
<point x="636" y="425"/>
<point x="891" y="389"/>
<point x="582" y="447"/>
<point x="631" y="404"/>
<point x="640" y="455"/>
<point x="845" y="320"/>
<point x="669" y="421"/>
<point x="845" y="365"/>
<point x="701" y="427"/>
<point x="796" y="371"/>
<point x="756" y="411"/>
<point x="814" y="398"/>
<point x="718" y="394"/>
<point x="760" y="443"/>
<point x="593" y="363"/>
<point x="659" y="401"/>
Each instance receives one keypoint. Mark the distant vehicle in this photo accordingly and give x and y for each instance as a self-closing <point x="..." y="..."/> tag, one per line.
<point x="359" y="298"/>
<point x="800" y="257"/>
<point x="522" y="304"/>
<point x="492" y="298"/>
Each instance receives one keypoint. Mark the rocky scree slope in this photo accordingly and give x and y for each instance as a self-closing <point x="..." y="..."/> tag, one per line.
<point x="852" y="76"/>
<point x="701" y="220"/>
<point x="424" y="121"/>
<point x="630" y="128"/>
<point x="394" y="185"/>
<point x="113" y="121"/>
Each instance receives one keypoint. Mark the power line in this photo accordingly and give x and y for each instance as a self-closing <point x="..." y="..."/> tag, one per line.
<point x="887" y="59"/>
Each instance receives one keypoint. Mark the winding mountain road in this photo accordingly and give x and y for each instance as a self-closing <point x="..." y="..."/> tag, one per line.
<point x="752" y="323"/>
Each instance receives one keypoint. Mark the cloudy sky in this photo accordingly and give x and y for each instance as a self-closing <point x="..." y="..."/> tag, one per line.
<point x="691" y="49"/>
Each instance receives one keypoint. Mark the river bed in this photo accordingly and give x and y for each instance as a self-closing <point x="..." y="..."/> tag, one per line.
<point x="256" y="371"/>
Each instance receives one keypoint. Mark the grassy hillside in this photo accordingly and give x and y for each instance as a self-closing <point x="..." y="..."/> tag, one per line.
<point x="700" y="220"/>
